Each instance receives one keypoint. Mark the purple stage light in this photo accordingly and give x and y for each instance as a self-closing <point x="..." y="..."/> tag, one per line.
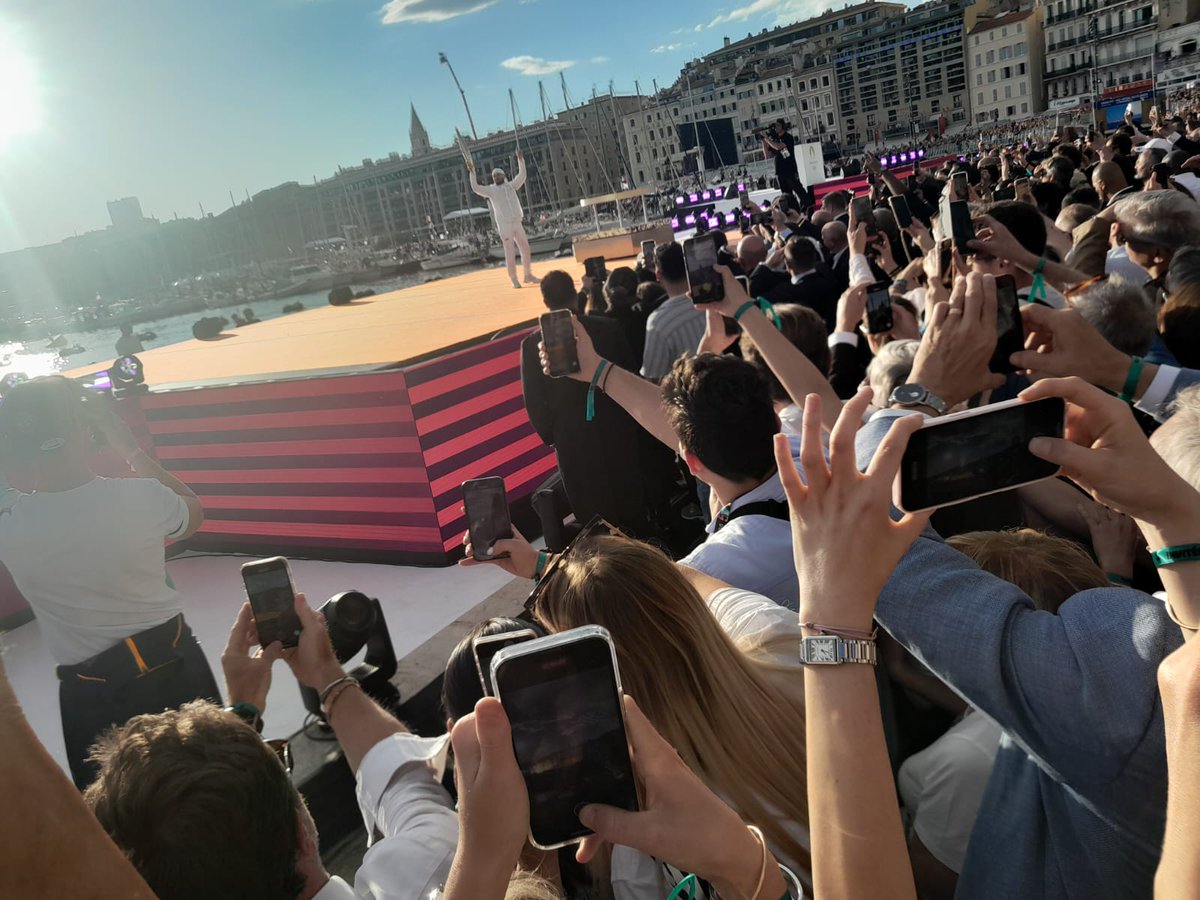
<point x="693" y="198"/>
<point x="675" y="223"/>
<point x="894" y="160"/>
<point x="903" y="157"/>
<point x="707" y="195"/>
<point x="679" y="201"/>
<point x="719" y="192"/>
<point x="689" y="219"/>
<point x="921" y="154"/>
<point x="730" y="218"/>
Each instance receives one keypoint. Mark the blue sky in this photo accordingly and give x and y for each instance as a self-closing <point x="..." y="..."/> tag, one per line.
<point x="180" y="103"/>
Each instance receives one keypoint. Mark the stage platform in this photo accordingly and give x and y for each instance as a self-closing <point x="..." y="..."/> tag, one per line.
<point x="376" y="332"/>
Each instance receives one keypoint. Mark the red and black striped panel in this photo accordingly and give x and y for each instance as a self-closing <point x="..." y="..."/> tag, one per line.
<point x="471" y="420"/>
<point x="328" y="466"/>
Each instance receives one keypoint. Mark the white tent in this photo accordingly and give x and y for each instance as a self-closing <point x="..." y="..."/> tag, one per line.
<point x="465" y="213"/>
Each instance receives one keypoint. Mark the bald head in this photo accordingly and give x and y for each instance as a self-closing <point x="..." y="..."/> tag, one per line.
<point x="1108" y="179"/>
<point x="823" y="217"/>
<point x="833" y="236"/>
<point x="1074" y="215"/>
<point x="751" y="251"/>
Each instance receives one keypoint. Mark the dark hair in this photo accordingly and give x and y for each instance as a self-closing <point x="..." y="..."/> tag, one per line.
<point x="650" y="296"/>
<point x="1025" y="223"/>
<point x="1181" y="334"/>
<point x="620" y="290"/>
<point x="461" y="689"/>
<point x="839" y="200"/>
<point x="671" y="265"/>
<point x="558" y="290"/>
<point x="720" y="408"/>
<point x="1048" y="195"/>
<point x="1122" y="143"/>
<point x="800" y="254"/>
<point x="126" y="329"/>
<point x="1085" y="194"/>
<point x="1070" y="152"/>
<point x="200" y="805"/>
<point x="805" y="328"/>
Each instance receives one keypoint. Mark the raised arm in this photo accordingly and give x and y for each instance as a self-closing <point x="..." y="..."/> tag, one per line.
<point x="519" y="181"/>
<point x="476" y="187"/>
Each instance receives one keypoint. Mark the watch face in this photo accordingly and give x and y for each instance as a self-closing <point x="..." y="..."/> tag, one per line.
<point x="908" y="393"/>
<point x="821" y="649"/>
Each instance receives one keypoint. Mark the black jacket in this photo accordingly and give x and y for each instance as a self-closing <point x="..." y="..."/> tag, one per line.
<point x="816" y="290"/>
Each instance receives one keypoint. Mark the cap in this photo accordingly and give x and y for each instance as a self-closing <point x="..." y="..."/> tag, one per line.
<point x="1155" y="144"/>
<point x="497" y="171"/>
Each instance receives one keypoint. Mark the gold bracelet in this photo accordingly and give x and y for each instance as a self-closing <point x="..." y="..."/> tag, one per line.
<point x="762" y="873"/>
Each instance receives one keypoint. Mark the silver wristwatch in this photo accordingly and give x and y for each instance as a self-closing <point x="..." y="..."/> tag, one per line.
<point x="831" y="650"/>
<point x="917" y="395"/>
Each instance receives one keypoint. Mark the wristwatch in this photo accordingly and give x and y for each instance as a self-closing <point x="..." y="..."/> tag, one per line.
<point x="831" y="650"/>
<point x="916" y="395"/>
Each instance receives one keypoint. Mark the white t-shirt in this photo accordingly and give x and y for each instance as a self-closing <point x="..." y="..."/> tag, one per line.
<point x="91" y="563"/>
<point x="943" y="785"/>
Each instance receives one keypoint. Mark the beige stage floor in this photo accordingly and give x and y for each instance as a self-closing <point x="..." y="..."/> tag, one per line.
<point x="374" y="331"/>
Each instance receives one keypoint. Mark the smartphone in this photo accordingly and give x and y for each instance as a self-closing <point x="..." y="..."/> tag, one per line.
<point x="700" y="255"/>
<point x="485" y="647"/>
<point x="959" y="186"/>
<point x="977" y="452"/>
<point x="558" y="337"/>
<point x="272" y="596"/>
<point x="785" y="204"/>
<point x="593" y="267"/>
<point x="1021" y="187"/>
<point x="1010" y="333"/>
<point x="486" y="505"/>
<point x="861" y="211"/>
<point x="879" y="308"/>
<point x="945" y="251"/>
<point x="743" y="198"/>
<point x="901" y="211"/>
<point x="562" y="694"/>
<point x="648" y="259"/>
<point x="961" y="228"/>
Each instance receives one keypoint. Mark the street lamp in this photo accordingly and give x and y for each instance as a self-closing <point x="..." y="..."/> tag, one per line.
<point x="444" y="61"/>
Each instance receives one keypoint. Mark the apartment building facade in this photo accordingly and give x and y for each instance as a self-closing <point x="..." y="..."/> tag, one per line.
<point x="1004" y="66"/>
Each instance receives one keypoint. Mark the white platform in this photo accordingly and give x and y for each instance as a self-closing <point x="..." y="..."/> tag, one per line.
<point x="418" y="603"/>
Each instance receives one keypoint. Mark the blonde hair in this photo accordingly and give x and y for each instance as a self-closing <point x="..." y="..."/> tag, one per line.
<point x="1049" y="569"/>
<point x="737" y="722"/>
<point x="530" y="886"/>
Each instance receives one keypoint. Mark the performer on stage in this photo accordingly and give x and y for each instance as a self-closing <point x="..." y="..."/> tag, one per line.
<point x="506" y="210"/>
<point x="782" y="146"/>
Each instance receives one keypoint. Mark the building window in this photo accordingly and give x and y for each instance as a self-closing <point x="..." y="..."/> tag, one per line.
<point x="992" y="77"/>
<point x="1021" y="69"/>
<point x="1024" y="107"/>
<point x="1024" y="88"/>
<point x="829" y="118"/>
<point x="934" y="104"/>
<point x="991" y="57"/>
<point x="1020" y="28"/>
<point x="978" y="60"/>
<point x="1008" y="92"/>
<point x="1011" y="111"/>
<point x="995" y="95"/>
<point x="1020" y="51"/>
<point x="824" y="81"/>
<point x="978" y="78"/>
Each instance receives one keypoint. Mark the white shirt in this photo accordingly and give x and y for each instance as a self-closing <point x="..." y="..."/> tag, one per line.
<point x="412" y="828"/>
<point x="502" y="198"/>
<point x="754" y="552"/>
<point x="1117" y="262"/>
<point x="791" y="417"/>
<point x="943" y="785"/>
<point x="91" y="563"/>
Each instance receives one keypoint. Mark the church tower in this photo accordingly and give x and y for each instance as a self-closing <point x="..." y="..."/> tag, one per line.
<point x="417" y="135"/>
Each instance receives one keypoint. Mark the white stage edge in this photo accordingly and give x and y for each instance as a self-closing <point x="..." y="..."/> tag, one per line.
<point x="417" y="603"/>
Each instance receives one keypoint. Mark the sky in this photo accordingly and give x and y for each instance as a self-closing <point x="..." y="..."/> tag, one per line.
<point x="182" y="103"/>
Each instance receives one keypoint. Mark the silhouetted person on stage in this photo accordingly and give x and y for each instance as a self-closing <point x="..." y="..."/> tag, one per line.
<point x="782" y="146"/>
<point x="128" y="343"/>
<point x="506" y="209"/>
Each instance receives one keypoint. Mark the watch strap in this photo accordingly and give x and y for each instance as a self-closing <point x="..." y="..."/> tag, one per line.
<point x="846" y="650"/>
<point x="248" y="713"/>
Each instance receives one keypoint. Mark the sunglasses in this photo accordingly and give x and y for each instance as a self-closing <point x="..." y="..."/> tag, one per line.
<point x="597" y="527"/>
<point x="1078" y="289"/>
<point x="283" y="750"/>
<point x="1140" y="246"/>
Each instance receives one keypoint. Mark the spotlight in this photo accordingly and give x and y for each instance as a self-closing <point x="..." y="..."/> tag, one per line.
<point x="689" y="219"/>
<point x="921" y="154"/>
<point x="903" y="157"/>
<point x="100" y="382"/>
<point x="730" y="218"/>
<point x="675" y="223"/>
<point x="356" y="621"/>
<point x="741" y="186"/>
<point x="719" y="192"/>
<point x="693" y="198"/>
<point x="894" y="160"/>
<point x="707" y="195"/>
<point x="128" y="376"/>
<point x="679" y="201"/>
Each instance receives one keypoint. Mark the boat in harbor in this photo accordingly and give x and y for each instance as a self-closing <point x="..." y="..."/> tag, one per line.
<point x="538" y="246"/>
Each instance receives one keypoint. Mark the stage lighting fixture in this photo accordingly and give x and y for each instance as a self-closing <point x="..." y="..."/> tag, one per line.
<point x="707" y="195"/>
<point x="689" y="219"/>
<point x="719" y="191"/>
<point x="679" y="201"/>
<point x="12" y="379"/>
<point x="903" y="157"/>
<point x="730" y="218"/>
<point x="128" y="376"/>
<point x="675" y="223"/>
<point x="921" y="154"/>
<point x="100" y="382"/>
<point x="741" y="186"/>
<point x="894" y="160"/>
<point x="693" y="198"/>
<point x="356" y="621"/>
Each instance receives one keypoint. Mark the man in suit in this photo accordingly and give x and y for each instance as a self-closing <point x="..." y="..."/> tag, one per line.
<point x="753" y="254"/>
<point x="837" y="204"/>
<point x="809" y="283"/>
<point x="609" y="465"/>
<point x="835" y="239"/>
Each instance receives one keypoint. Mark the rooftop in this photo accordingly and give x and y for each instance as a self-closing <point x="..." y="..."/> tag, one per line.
<point x="988" y="24"/>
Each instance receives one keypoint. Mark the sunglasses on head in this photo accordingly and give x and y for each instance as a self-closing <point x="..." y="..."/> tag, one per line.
<point x="597" y="527"/>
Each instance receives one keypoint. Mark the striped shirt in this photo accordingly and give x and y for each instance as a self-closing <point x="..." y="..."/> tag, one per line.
<point x="673" y="330"/>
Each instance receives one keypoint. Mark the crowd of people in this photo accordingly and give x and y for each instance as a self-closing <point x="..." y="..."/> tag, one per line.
<point x="1011" y="704"/>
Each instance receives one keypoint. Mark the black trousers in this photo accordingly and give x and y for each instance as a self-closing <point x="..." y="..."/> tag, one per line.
<point x="790" y="183"/>
<point x="156" y="669"/>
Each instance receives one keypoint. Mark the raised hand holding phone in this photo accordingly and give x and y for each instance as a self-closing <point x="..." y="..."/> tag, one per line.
<point x="584" y="350"/>
<point x="272" y="595"/>
<point x="486" y="506"/>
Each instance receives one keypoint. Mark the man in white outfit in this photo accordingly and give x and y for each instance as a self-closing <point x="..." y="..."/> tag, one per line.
<point x="507" y="212"/>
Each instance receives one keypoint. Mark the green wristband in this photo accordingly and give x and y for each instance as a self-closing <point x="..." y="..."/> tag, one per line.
<point x="742" y="310"/>
<point x="1132" y="379"/>
<point x="1170" y="555"/>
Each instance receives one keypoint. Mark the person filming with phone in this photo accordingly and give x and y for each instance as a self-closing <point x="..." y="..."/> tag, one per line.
<point x="87" y="554"/>
<point x="778" y="143"/>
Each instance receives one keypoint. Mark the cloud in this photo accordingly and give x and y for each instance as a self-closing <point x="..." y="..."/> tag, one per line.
<point x="666" y="48"/>
<point x="749" y="11"/>
<point x="397" y="12"/>
<point x="535" y="65"/>
<point x="599" y="59"/>
<point x="784" y="11"/>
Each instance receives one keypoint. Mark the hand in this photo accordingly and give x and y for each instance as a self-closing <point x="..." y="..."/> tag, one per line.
<point x="681" y="821"/>
<point x="247" y="675"/>
<point x="959" y="339"/>
<point x="589" y="359"/>
<point x="858" y="239"/>
<point x="1061" y="342"/>
<point x="521" y="560"/>
<point x="493" y="804"/>
<point x="921" y="236"/>
<point x="778" y="219"/>
<point x="312" y="660"/>
<point x="1114" y="538"/>
<point x="1102" y="446"/>
<point x="520" y="154"/>
<point x="839" y="509"/>
<point x="851" y="307"/>
<point x="715" y="339"/>
<point x="996" y="240"/>
<point x="887" y="260"/>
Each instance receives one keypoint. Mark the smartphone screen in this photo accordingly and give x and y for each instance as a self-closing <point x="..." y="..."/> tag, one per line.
<point x="486" y="647"/>
<point x="961" y="228"/>
<point x="558" y="337"/>
<point x="563" y="699"/>
<point x="700" y="255"/>
<point x="648" y="260"/>
<point x="901" y="211"/>
<point x="945" y="249"/>
<point x="784" y="202"/>
<point x="593" y="267"/>
<point x="978" y="452"/>
<point x="1010" y="333"/>
<point x="959" y="183"/>
<point x="861" y="208"/>
<point x="879" y="309"/>
<point x="487" y="514"/>
<point x="272" y="599"/>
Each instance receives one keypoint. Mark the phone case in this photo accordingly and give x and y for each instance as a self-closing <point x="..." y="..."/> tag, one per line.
<point x="954" y="417"/>
<point x="570" y="636"/>
<point x="495" y="639"/>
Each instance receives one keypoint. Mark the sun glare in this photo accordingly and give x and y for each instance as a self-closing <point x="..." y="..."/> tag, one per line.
<point x="18" y="93"/>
